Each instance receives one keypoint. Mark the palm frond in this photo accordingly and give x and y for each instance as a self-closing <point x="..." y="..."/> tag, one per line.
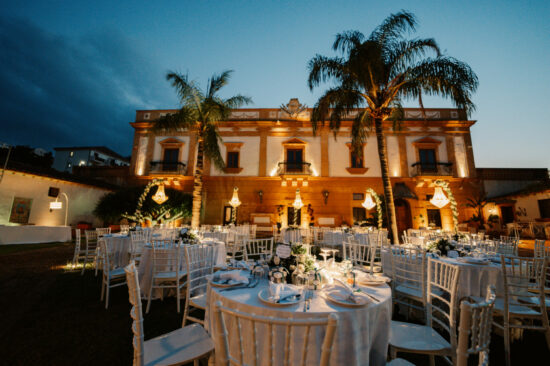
<point x="188" y="91"/>
<point x="211" y="140"/>
<point x="407" y="52"/>
<point x="359" y="131"/>
<point x="237" y="101"/>
<point x="347" y="41"/>
<point x="393" y="27"/>
<point x="322" y="69"/>
<point x="185" y="118"/>
<point x="216" y="82"/>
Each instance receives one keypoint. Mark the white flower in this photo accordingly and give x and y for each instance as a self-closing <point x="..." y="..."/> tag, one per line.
<point x="278" y="275"/>
<point x="301" y="267"/>
<point x="276" y="260"/>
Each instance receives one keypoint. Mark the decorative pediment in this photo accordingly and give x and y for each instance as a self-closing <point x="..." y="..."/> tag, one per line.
<point x="427" y="141"/>
<point x="294" y="141"/>
<point x="171" y="141"/>
<point x="233" y="146"/>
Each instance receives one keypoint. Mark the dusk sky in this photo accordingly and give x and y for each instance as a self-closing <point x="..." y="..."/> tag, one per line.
<point x="72" y="73"/>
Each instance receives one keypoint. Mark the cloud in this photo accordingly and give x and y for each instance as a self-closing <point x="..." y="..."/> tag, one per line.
<point x="57" y="91"/>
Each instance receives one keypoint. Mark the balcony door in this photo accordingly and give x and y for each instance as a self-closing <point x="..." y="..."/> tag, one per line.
<point x="427" y="160"/>
<point x="170" y="160"/>
<point x="294" y="160"/>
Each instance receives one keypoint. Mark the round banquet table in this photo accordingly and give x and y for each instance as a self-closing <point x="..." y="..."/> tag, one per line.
<point x="473" y="279"/>
<point x="145" y="268"/>
<point x="361" y="339"/>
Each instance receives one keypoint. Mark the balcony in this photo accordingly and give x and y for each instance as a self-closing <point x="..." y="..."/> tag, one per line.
<point x="169" y="168"/>
<point x="293" y="168"/>
<point x="432" y="169"/>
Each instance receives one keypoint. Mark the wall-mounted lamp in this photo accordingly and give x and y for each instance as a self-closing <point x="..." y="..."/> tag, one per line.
<point x="325" y="194"/>
<point x="261" y="195"/>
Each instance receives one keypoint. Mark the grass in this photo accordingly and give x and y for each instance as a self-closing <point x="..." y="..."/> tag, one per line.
<point x="51" y="316"/>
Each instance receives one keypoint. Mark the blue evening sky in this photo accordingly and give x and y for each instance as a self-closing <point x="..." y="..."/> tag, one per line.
<point x="74" y="72"/>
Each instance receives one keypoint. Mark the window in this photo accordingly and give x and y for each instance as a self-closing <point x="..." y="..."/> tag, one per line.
<point x="359" y="214"/>
<point x="434" y="218"/>
<point x="544" y="208"/>
<point x="290" y="216"/>
<point x="358" y="196"/>
<point x="294" y="160"/>
<point x="427" y="159"/>
<point x="232" y="159"/>
<point x="356" y="161"/>
<point x="171" y="158"/>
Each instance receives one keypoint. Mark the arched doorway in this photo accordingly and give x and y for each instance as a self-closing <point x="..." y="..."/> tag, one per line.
<point x="403" y="215"/>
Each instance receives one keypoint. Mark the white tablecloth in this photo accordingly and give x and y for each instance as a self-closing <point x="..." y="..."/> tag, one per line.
<point x="29" y="234"/>
<point x="362" y="336"/>
<point x="145" y="268"/>
<point x="473" y="279"/>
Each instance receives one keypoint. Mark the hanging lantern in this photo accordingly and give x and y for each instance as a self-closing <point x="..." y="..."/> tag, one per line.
<point x="439" y="199"/>
<point x="297" y="204"/>
<point x="369" y="202"/>
<point x="160" y="197"/>
<point x="235" y="202"/>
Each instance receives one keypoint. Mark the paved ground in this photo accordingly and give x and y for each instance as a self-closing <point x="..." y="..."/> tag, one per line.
<point x="49" y="316"/>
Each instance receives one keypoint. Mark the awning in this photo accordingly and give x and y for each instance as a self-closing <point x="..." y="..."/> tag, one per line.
<point x="400" y="190"/>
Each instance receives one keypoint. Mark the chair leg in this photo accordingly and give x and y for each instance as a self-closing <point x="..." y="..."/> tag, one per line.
<point x="102" y="288"/>
<point x="185" y="312"/>
<point x="507" y="345"/>
<point x="432" y="360"/>
<point x="149" y="298"/>
<point x="178" y="296"/>
<point x="84" y="265"/>
<point x="107" y="297"/>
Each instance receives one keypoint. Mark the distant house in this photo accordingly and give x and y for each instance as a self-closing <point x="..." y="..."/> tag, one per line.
<point x="68" y="157"/>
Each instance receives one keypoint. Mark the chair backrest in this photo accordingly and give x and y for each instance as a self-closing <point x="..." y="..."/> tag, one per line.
<point x="77" y="239"/>
<point x="442" y="297"/>
<point x="524" y="277"/>
<point x="359" y="254"/>
<point x="265" y="347"/>
<point x="91" y="239"/>
<point x="167" y="257"/>
<point x="200" y="264"/>
<point x="409" y="269"/>
<point x="103" y="230"/>
<point x="258" y="247"/>
<point x="474" y="330"/>
<point x="136" y="312"/>
<point x="140" y="236"/>
<point x="508" y="248"/>
<point x="107" y="252"/>
<point x="541" y="250"/>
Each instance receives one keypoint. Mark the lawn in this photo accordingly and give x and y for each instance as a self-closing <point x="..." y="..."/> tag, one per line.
<point x="51" y="316"/>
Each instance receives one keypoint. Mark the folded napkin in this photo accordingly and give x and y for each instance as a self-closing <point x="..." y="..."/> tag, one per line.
<point x="230" y="277"/>
<point x="349" y="294"/>
<point x="278" y="292"/>
<point x="239" y="264"/>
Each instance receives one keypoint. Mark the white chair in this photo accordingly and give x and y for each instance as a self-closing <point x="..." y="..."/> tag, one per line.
<point x="168" y="270"/>
<point x="474" y="330"/>
<point x="441" y="309"/>
<point x="112" y="276"/>
<point x="507" y="248"/>
<point x="79" y="253"/>
<point x="541" y="251"/>
<point x="235" y="249"/>
<point x="524" y="298"/>
<point x="183" y="345"/>
<point x="258" y="248"/>
<point x="103" y="231"/>
<point x="91" y="254"/>
<point x="138" y="241"/>
<point x="360" y="255"/>
<point x="252" y="229"/>
<point x="409" y="277"/>
<point x="262" y="331"/>
<point x="200" y="264"/>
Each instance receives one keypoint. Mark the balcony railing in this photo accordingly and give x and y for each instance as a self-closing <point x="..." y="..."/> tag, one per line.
<point x="165" y="167"/>
<point x="432" y="169"/>
<point x="292" y="168"/>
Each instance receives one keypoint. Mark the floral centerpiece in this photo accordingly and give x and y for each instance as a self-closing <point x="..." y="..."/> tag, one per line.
<point x="442" y="246"/>
<point x="187" y="236"/>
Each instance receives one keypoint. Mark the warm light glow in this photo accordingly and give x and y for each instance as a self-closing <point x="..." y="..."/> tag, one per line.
<point x="314" y="172"/>
<point x="160" y="197"/>
<point x="439" y="199"/>
<point x="82" y="163"/>
<point x="369" y="202"/>
<point x="298" y="204"/>
<point x="235" y="202"/>
<point x="283" y="183"/>
<point x="273" y="172"/>
<point x="56" y="205"/>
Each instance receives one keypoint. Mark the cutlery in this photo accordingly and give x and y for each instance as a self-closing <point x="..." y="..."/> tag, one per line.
<point x="250" y="285"/>
<point x="369" y="295"/>
<point x="288" y="297"/>
<point x="309" y="299"/>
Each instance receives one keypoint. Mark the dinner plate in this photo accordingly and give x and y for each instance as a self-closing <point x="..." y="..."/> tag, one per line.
<point x="264" y="296"/>
<point x="373" y="280"/>
<point x="337" y="298"/>
<point x="475" y="261"/>
<point x="218" y="284"/>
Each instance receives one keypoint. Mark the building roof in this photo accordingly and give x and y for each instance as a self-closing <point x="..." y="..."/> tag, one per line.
<point x="535" y="188"/>
<point x="52" y="173"/>
<point x="534" y="174"/>
<point x="103" y="149"/>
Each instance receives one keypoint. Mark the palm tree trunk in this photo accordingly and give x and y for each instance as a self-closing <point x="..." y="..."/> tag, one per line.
<point x="197" y="187"/>
<point x="388" y="192"/>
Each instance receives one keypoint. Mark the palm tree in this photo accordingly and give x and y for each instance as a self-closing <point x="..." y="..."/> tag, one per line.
<point x="478" y="202"/>
<point x="376" y="74"/>
<point x="201" y="112"/>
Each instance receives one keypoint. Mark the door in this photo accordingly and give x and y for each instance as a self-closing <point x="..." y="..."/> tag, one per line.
<point x="427" y="160"/>
<point x="294" y="160"/>
<point x="402" y="215"/>
<point x="290" y="216"/>
<point x="227" y="214"/>
<point x="434" y="218"/>
<point x="170" y="161"/>
<point x="507" y="213"/>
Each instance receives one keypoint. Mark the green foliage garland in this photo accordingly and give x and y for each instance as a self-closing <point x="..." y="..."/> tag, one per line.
<point x="378" y="205"/>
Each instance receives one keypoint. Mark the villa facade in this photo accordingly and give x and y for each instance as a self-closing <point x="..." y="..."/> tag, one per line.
<point x="269" y="153"/>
